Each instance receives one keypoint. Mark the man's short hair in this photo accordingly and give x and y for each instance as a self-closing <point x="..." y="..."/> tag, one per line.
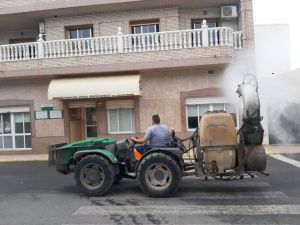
<point x="156" y="118"/>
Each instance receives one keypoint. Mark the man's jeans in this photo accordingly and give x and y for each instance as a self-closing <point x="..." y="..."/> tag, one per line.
<point x="141" y="148"/>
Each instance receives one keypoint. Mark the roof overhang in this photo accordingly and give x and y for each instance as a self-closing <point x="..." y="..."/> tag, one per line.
<point x="28" y="16"/>
<point x="95" y="87"/>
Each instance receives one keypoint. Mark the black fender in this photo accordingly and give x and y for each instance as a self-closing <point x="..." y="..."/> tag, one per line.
<point x="106" y="154"/>
<point x="175" y="153"/>
<point x="101" y="152"/>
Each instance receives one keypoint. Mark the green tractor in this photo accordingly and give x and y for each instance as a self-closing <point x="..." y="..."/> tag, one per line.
<point x="101" y="162"/>
<point x="218" y="152"/>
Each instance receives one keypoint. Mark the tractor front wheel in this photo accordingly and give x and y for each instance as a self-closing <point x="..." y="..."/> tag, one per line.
<point x="94" y="175"/>
<point x="159" y="175"/>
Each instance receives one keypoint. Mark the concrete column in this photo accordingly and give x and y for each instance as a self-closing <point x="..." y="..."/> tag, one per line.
<point x="204" y="34"/>
<point x="40" y="41"/>
<point x="120" y="40"/>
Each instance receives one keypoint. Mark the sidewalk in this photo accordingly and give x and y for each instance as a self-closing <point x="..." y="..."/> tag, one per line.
<point x="270" y="150"/>
<point x="23" y="158"/>
<point x="282" y="149"/>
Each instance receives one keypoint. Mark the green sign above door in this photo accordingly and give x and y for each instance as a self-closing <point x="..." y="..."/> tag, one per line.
<point x="47" y="107"/>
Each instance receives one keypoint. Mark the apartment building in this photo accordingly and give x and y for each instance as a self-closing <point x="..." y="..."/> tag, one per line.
<point x="71" y="70"/>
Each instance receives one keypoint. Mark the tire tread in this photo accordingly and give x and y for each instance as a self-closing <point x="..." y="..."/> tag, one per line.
<point x="108" y="170"/>
<point x="175" y="170"/>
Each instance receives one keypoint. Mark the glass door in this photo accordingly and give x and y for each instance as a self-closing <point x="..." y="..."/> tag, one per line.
<point x="90" y="122"/>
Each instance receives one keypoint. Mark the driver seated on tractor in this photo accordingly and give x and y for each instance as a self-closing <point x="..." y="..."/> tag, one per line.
<point x="156" y="136"/>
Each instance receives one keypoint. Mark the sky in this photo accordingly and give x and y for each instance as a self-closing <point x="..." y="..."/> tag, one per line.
<point x="278" y="11"/>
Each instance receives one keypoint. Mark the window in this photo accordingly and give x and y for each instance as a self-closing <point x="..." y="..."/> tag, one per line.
<point x="144" y="29"/>
<point x="231" y="108"/>
<point x="196" y="24"/>
<point x="194" y="112"/>
<point x="15" y="130"/>
<point x="120" y="116"/>
<point x="120" y="120"/>
<point x="80" y="32"/>
<point x="91" y="122"/>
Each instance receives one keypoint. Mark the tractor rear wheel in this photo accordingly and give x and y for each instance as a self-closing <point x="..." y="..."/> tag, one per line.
<point x="159" y="175"/>
<point x="94" y="175"/>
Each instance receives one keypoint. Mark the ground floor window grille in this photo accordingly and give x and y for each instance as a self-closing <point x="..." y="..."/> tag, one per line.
<point x="194" y="112"/>
<point x="15" y="132"/>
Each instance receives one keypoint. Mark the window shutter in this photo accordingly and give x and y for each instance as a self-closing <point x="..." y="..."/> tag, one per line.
<point x="118" y="104"/>
<point x="198" y="101"/>
<point x="14" y="109"/>
<point x="89" y="104"/>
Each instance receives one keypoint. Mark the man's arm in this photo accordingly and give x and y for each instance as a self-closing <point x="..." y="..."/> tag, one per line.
<point x="143" y="140"/>
<point x="140" y="140"/>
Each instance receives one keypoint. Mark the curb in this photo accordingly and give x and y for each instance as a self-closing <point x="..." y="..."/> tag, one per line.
<point x="282" y="149"/>
<point x="23" y="158"/>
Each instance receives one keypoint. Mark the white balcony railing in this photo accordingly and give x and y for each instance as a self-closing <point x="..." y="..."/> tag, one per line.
<point x="180" y="39"/>
<point x="23" y="51"/>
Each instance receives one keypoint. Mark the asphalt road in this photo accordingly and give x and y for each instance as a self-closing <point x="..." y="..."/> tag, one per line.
<point x="33" y="194"/>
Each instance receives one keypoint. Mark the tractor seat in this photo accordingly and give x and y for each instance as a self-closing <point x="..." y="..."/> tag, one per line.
<point x="172" y="142"/>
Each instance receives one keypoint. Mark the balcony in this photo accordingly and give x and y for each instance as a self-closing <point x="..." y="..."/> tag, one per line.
<point x="121" y="49"/>
<point x="26" y="14"/>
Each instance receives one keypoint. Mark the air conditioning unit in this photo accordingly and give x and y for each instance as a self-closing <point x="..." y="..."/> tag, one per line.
<point x="229" y="12"/>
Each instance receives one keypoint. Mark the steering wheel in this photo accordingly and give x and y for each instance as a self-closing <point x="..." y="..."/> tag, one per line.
<point x="131" y="142"/>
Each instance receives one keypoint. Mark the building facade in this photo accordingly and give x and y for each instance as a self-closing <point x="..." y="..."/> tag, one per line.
<point x="71" y="70"/>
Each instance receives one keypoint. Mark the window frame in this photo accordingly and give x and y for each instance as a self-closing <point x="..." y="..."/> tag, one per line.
<point x="132" y="122"/>
<point x="139" y="43"/>
<point x="77" y="28"/>
<point x="13" y="133"/>
<point x="86" y="125"/>
<point x="199" y="21"/>
<point x="193" y="21"/>
<point x="156" y="25"/>
<point x="210" y="108"/>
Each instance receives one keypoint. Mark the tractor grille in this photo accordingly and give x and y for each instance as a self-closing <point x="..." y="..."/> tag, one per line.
<point x="52" y="154"/>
